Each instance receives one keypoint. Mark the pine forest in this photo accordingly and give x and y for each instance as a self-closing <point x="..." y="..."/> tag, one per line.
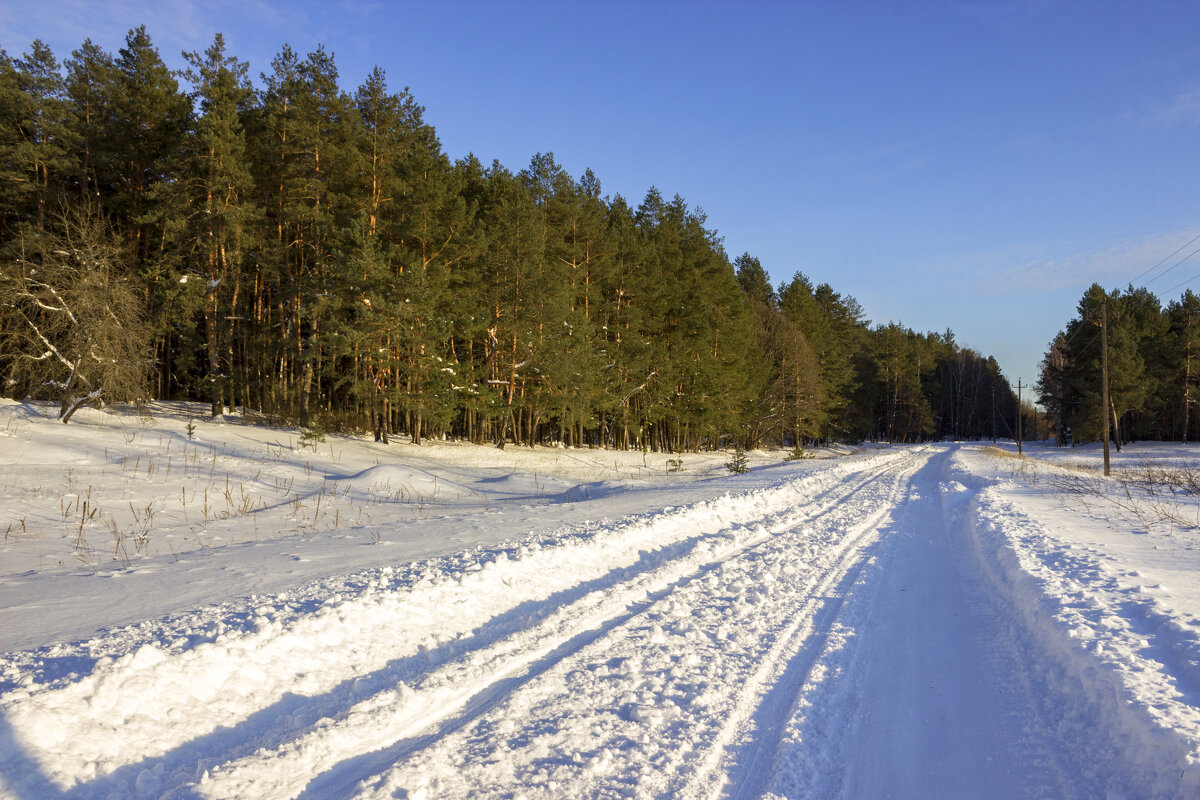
<point x="1153" y="371"/>
<point x="312" y="255"/>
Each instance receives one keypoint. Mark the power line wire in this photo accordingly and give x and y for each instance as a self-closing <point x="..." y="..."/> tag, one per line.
<point x="1067" y="340"/>
<point x="1083" y="323"/>
<point x="1173" y="288"/>
<point x="1164" y="260"/>
<point x="1095" y="336"/>
<point x="1173" y="266"/>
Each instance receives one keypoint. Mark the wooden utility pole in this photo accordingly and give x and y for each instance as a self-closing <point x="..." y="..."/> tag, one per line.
<point x="1104" y="378"/>
<point x="1187" y="377"/>
<point x="1019" y="451"/>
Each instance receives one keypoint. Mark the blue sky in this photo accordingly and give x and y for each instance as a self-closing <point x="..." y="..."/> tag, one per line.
<point x="971" y="165"/>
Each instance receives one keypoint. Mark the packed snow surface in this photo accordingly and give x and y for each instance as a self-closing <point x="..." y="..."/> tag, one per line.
<point x="195" y="608"/>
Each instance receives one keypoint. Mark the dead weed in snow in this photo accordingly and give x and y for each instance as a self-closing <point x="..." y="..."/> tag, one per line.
<point x="1143" y="492"/>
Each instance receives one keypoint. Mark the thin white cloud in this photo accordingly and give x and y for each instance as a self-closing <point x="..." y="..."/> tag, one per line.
<point x="1181" y="110"/>
<point x="174" y="27"/>
<point x="361" y="8"/>
<point x="1057" y="266"/>
<point x="1026" y="143"/>
<point x="879" y="164"/>
<point x="991" y="10"/>
<point x="889" y="150"/>
<point x="908" y="165"/>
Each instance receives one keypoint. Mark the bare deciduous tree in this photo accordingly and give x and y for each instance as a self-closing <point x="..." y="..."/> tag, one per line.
<point x="72" y="325"/>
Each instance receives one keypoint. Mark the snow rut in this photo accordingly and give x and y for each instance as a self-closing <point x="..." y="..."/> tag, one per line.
<point x="920" y="689"/>
<point x="1117" y="676"/>
<point x="652" y="705"/>
<point x="292" y="703"/>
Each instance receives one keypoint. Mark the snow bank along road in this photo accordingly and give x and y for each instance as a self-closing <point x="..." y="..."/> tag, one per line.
<point x="866" y="630"/>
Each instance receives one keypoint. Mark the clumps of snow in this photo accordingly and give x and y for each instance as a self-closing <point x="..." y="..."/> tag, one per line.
<point x="556" y="626"/>
<point x="391" y="647"/>
<point x="1118" y="667"/>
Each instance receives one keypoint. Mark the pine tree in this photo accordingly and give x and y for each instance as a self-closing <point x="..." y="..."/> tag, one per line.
<point x="35" y="139"/>
<point x="755" y="282"/>
<point x="788" y="405"/>
<point x="510" y="285"/>
<point x="625" y="325"/>
<point x="1184" y="349"/>
<point x="140" y="130"/>
<point x="91" y="84"/>
<point x="837" y="332"/>
<point x="437" y="235"/>
<point x="369" y="319"/>
<point x="1052" y="387"/>
<point x="905" y="414"/>
<point x="727" y="384"/>
<point x="219" y="216"/>
<point x="1141" y="380"/>
<point x="148" y="118"/>
<point x="302" y="176"/>
<point x="1083" y="384"/>
<point x="570" y="390"/>
<point x="371" y="316"/>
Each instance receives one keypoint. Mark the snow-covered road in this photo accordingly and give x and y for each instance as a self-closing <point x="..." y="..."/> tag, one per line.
<point x="845" y="632"/>
<point x="932" y="697"/>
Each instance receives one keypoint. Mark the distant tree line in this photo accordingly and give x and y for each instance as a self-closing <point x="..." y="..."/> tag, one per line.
<point x="313" y="255"/>
<point x="1153" y="368"/>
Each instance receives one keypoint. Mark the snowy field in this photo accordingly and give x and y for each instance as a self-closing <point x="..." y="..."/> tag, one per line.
<point x="208" y="609"/>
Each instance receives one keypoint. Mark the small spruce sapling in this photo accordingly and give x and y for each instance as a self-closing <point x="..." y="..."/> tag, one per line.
<point x="738" y="463"/>
<point x="312" y="436"/>
<point x="797" y="453"/>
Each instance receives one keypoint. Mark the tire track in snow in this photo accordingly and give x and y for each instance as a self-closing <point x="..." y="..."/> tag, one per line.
<point x="396" y="721"/>
<point x="129" y="718"/>
<point x="458" y="764"/>
<point x="924" y="691"/>
<point x="759" y="722"/>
